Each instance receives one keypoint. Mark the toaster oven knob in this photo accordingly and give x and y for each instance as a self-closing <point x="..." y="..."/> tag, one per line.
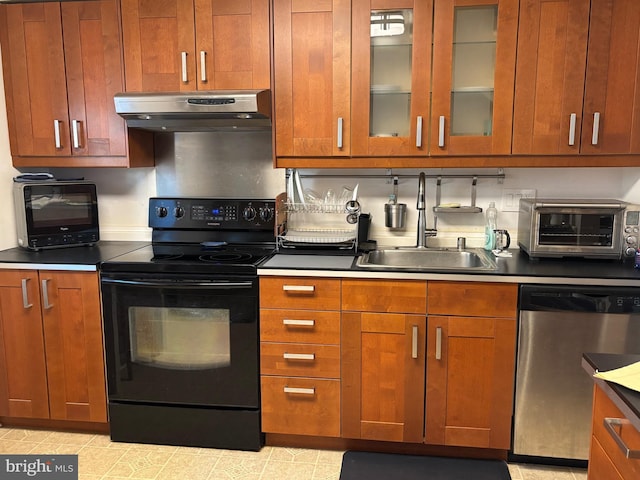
<point x="179" y="212"/>
<point x="631" y="240"/>
<point x="266" y="214"/>
<point x="162" y="212"/>
<point x="249" y="213"/>
<point x="630" y="252"/>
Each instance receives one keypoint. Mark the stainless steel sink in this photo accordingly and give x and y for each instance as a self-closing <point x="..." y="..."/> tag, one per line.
<point x="425" y="259"/>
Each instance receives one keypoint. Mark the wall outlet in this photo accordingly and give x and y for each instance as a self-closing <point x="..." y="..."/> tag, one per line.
<point x="511" y="198"/>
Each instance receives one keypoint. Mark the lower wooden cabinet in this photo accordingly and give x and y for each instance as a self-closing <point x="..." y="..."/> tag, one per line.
<point x="51" y="355"/>
<point x="471" y="339"/>
<point x="606" y="460"/>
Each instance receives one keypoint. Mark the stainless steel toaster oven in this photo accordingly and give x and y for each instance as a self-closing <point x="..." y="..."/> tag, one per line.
<point x="578" y="228"/>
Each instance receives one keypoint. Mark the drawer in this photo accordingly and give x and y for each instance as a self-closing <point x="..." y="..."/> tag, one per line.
<point x="295" y="360"/>
<point x="603" y="407"/>
<point x="301" y="406"/>
<point x="384" y="296"/>
<point x="300" y="326"/>
<point x="300" y="293"/>
<point x="472" y="299"/>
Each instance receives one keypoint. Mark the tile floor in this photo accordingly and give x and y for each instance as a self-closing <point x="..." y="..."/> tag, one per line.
<point x="101" y="459"/>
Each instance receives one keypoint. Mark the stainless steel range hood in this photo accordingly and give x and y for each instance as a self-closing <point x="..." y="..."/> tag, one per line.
<point x="196" y="111"/>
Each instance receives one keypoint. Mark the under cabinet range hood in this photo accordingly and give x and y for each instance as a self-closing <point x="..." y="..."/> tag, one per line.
<point x="196" y="111"/>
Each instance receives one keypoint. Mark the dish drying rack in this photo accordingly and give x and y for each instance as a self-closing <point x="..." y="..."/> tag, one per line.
<point x="317" y="226"/>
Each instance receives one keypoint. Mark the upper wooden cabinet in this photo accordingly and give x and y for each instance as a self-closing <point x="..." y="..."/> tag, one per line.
<point x="391" y="70"/>
<point x="474" y="54"/>
<point x="312" y="78"/>
<point x="62" y="66"/>
<point x="559" y="109"/>
<point x="187" y="45"/>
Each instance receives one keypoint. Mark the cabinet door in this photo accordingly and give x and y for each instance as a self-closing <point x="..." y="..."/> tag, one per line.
<point x="611" y="116"/>
<point x="391" y="65"/>
<point x="383" y="364"/>
<point x="94" y="75"/>
<point x="312" y="75"/>
<point x="159" y="45"/>
<point x="73" y="337"/>
<point x="232" y="44"/>
<point x="552" y="52"/>
<point x="34" y="79"/>
<point x="470" y="371"/>
<point x="23" y="375"/>
<point x="474" y="52"/>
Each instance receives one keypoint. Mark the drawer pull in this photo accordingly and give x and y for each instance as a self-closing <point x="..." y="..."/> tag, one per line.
<point x="303" y="391"/>
<point x="298" y="323"/>
<point x="299" y="356"/>
<point x="611" y="424"/>
<point x="299" y="288"/>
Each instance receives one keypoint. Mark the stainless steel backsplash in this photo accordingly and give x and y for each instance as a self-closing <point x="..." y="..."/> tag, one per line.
<point x="217" y="164"/>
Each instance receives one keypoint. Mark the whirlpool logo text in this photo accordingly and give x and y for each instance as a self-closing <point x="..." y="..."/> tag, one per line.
<point x="51" y="467"/>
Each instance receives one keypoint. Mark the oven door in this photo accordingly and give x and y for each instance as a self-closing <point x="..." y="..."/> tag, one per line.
<point x="181" y="339"/>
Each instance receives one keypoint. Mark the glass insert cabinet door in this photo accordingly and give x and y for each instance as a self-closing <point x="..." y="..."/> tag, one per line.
<point x="474" y="46"/>
<point x="391" y="58"/>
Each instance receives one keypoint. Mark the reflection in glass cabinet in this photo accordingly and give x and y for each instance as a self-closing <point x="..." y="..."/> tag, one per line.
<point x="474" y="61"/>
<point x="391" y="52"/>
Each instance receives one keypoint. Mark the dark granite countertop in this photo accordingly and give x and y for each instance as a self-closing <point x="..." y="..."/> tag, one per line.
<point x="67" y="258"/>
<point x="626" y="399"/>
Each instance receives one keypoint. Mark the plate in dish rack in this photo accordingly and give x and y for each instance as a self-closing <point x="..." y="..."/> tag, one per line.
<point x="318" y="237"/>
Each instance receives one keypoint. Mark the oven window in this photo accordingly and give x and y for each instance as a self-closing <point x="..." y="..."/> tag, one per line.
<point x="53" y="209"/>
<point x="576" y="229"/>
<point x="180" y="338"/>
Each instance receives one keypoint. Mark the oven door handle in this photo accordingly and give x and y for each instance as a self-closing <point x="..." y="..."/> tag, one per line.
<point x="181" y="284"/>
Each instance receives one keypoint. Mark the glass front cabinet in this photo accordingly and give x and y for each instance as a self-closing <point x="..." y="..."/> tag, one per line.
<point x="433" y="78"/>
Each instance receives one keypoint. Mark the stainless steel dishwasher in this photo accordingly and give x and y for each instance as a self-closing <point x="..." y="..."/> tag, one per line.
<point x="553" y="393"/>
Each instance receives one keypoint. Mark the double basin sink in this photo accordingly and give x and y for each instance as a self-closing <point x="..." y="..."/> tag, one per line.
<point x="425" y="259"/>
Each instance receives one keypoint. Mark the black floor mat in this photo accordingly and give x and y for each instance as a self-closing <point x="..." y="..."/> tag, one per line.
<point x="385" y="466"/>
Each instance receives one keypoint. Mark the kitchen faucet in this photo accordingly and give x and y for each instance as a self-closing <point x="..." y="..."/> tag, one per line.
<point x="421" y="206"/>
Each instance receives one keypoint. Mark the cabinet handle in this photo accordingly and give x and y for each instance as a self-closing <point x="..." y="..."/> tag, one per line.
<point x="25" y="294"/>
<point x="610" y="424"/>
<point x="419" y="132"/>
<point x="596" y="128"/>
<point x="441" y="131"/>
<point x="185" y="77"/>
<point x="299" y="356"/>
<point x="414" y="342"/>
<point x="45" y="295"/>
<point x="438" y="343"/>
<point x="299" y="323"/>
<point x="203" y="66"/>
<point x="303" y="391"/>
<point x="56" y="133"/>
<point x="340" y="123"/>
<point x="572" y="129"/>
<point x="76" y="134"/>
<point x="298" y="288"/>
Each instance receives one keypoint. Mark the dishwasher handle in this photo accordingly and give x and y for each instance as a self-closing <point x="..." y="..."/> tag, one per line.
<point x="579" y="298"/>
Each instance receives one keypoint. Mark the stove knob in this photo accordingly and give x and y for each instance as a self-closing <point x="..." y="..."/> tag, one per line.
<point x="249" y="214"/>
<point x="178" y="212"/>
<point x="162" y="212"/>
<point x="266" y="214"/>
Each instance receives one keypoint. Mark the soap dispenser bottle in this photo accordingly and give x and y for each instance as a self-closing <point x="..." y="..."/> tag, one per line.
<point x="491" y="224"/>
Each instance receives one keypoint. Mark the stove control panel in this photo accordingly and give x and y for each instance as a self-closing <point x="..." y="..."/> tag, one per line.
<point x="212" y="213"/>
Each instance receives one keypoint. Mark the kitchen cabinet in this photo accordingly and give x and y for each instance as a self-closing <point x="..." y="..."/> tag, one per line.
<point x="474" y="57"/>
<point x="383" y="359"/>
<point x="300" y="355"/>
<point x="606" y="459"/>
<point x="559" y="109"/>
<point x="312" y="79"/>
<point x="51" y="355"/>
<point x="62" y="66"/>
<point x="471" y="338"/>
<point x="188" y="45"/>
